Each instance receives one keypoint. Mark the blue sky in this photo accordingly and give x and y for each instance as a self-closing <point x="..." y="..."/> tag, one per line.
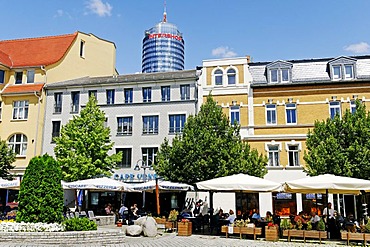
<point x="267" y="30"/>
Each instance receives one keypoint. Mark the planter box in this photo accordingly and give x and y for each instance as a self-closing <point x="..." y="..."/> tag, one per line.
<point x="243" y="230"/>
<point x="305" y="234"/>
<point x="184" y="228"/>
<point x="272" y="233"/>
<point x="355" y="236"/>
<point x="160" y="220"/>
<point x="169" y="225"/>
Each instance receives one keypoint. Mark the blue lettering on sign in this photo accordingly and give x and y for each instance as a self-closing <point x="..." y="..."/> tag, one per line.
<point x="131" y="176"/>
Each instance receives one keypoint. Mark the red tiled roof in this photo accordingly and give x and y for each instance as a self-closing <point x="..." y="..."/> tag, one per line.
<point x="23" y="88"/>
<point x="35" y="51"/>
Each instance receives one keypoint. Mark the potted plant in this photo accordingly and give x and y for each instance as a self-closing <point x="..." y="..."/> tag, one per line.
<point x="272" y="232"/>
<point x="184" y="228"/>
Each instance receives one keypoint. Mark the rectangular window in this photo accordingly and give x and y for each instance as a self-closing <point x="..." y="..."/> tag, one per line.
<point x="75" y="106"/>
<point x="235" y="115"/>
<point x="31" y="76"/>
<point x="293" y="155"/>
<point x="149" y="155"/>
<point x="93" y="93"/>
<point x="185" y="92"/>
<point x="353" y="106"/>
<point x="18" y="77"/>
<point x="126" y="157"/>
<point x="110" y="96"/>
<point x="271" y="114"/>
<point x="150" y="124"/>
<point x="58" y="102"/>
<point x="82" y="48"/>
<point x="337" y="72"/>
<point x="177" y="123"/>
<point x="285" y="75"/>
<point x="166" y="93"/>
<point x="334" y="108"/>
<point x="273" y="155"/>
<point x="147" y="94"/>
<point x="124" y="126"/>
<point x="349" y="71"/>
<point x="55" y="130"/>
<point x="0" y="109"/>
<point x="128" y="95"/>
<point x="2" y="76"/>
<point x="274" y="75"/>
<point x="291" y="113"/>
<point x="20" y="109"/>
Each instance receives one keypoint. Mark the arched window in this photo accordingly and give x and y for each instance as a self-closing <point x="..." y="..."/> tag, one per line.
<point x="231" y="76"/>
<point x="18" y="143"/>
<point x="218" y="77"/>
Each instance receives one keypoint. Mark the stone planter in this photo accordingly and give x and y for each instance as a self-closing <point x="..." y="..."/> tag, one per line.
<point x="184" y="228"/>
<point x="271" y="233"/>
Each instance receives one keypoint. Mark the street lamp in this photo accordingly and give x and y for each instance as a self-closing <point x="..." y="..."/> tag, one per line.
<point x="141" y="164"/>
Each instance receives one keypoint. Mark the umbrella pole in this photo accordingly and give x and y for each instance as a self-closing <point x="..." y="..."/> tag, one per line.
<point x="211" y="201"/>
<point x="327" y="214"/>
<point x="157" y="196"/>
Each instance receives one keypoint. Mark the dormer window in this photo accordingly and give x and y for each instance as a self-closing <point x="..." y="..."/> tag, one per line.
<point x="279" y="71"/>
<point x="342" y="68"/>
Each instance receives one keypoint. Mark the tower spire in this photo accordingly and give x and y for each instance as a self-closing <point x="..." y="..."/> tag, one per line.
<point x="164" y="13"/>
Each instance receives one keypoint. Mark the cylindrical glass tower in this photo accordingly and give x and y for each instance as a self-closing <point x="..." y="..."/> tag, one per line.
<point x="163" y="48"/>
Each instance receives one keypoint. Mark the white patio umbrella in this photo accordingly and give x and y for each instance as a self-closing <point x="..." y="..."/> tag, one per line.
<point x="239" y="182"/>
<point x="328" y="183"/>
<point x="102" y="184"/>
<point x="162" y="185"/>
<point x="9" y="184"/>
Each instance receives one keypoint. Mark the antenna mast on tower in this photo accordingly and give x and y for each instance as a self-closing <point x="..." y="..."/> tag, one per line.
<point x="164" y="13"/>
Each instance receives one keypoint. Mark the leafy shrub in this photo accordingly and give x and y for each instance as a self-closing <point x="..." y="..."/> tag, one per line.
<point x="321" y="225"/>
<point x="367" y="227"/>
<point x="309" y="225"/>
<point x="80" y="224"/>
<point x="285" y="224"/>
<point x="41" y="192"/>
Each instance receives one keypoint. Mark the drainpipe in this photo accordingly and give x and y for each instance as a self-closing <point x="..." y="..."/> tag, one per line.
<point x="38" y="111"/>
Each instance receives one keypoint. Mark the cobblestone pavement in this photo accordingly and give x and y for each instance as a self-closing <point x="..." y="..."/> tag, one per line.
<point x="171" y="239"/>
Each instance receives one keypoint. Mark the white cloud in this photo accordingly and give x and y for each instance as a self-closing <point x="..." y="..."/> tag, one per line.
<point x="361" y="47"/>
<point x="99" y="8"/>
<point x="59" y="13"/>
<point x="223" y="51"/>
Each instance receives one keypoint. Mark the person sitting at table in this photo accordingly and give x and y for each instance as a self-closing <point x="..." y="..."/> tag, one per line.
<point x="314" y="220"/>
<point x="134" y="210"/>
<point x="276" y="218"/>
<point x="108" y="209"/>
<point x="256" y="215"/>
<point x="231" y="217"/>
<point x="350" y="224"/>
<point x="268" y="217"/>
<point x="300" y="218"/>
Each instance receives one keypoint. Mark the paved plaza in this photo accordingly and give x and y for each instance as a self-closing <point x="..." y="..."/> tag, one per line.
<point x="171" y="239"/>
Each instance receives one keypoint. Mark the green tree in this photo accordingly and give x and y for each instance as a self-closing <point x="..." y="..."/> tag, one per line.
<point x="83" y="145"/>
<point x="340" y="146"/>
<point x="41" y="193"/>
<point x="7" y="157"/>
<point x="209" y="147"/>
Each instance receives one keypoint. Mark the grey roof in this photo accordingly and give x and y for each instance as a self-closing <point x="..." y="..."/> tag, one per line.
<point x="129" y="78"/>
<point x="310" y="71"/>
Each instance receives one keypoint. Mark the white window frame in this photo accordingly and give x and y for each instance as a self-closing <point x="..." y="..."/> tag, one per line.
<point x="172" y="129"/>
<point x="185" y="92"/>
<point x="31" y="76"/>
<point x="290" y="108"/>
<point x="337" y="77"/>
<point x="20" y="110"/>
<point x="15" y="77"/>
<point x="349" y="76"/>
<point x="282" y="77"/>
<point x="295" y="152"/>
<point x="214" y="75"/>
<point x="125" y="130"/>
<point x="267" y="110"/>
<point x="336" y="105"/>
<point x="234" y="110"/>
<point x="277" y="75"/>
<point x="110" y="94"/>
<point x="18" y="145"/>
<point x="228" y="74"/>
<point x="267" y="149"/>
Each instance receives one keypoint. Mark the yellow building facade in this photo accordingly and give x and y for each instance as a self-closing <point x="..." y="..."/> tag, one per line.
<point x="276" y="104"/>
<point x="26" y="65"/>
